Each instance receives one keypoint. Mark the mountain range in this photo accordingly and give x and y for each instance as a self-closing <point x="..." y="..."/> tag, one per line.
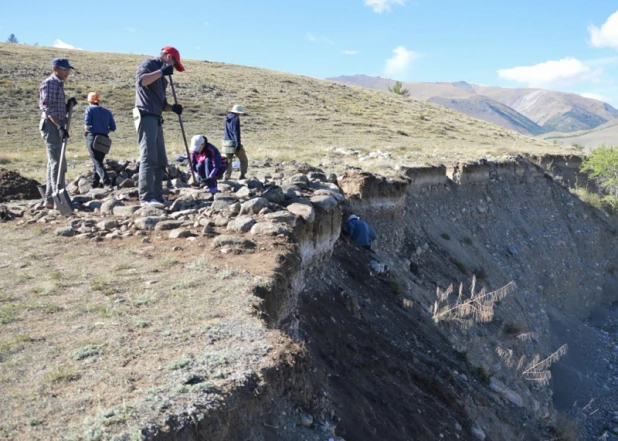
<point x="524" y="110"/>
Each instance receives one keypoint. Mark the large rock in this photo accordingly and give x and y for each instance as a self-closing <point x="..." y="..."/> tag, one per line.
<point x="108" y="224"/>
<point x="307" y="212"/>
<point x="324" y="202"/>
<point x="501" y="388"/>
<point x="284" y="217"/>
<point x="324" y="192"/>
<point x="107" y="207"/>
<point x="232" y="241"/>
<point x="274" y="194"/>
<point x="298" y="180"/>
<point x="168" y="225"/>
<point x="221" y="221"/>
<point x="241" y="223"/>
<point x="253" y="206"/>
<point x="223" y="204"/>
<point x="64" y="231"/>
<point x="147" y="223"/>
<point x="268" y="229"/>
<point x="182" y="203"/>
<point x="179" y="233"/>
<point x="243" y="192"/>
<point x="125" y="210"/>
<point x="84" y="185"/>
<point x="150" y="212"/>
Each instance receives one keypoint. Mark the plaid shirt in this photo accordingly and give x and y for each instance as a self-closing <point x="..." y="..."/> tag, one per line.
<point x="52" y="99"/>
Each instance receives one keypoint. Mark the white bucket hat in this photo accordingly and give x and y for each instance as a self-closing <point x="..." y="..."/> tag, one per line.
<point x="196" y="142"/>
<point x="352" y="217"/>
<point x="237" y="109"/>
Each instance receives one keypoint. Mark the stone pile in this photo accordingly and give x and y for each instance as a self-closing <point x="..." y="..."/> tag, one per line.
<point x="268" y="207"/>
<point x="124" y="174"/>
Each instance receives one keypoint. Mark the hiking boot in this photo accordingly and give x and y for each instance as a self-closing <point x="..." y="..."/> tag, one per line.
<point x="242" y="177"/>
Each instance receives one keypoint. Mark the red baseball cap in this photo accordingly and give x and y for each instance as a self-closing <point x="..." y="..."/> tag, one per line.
<point x="174" y="53"/>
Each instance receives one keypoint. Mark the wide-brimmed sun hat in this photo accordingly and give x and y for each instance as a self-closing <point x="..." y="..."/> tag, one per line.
<point x="174" y="53"/>
<point x="196" y="142"/>
<point x="93" y="97"/>
<point x="237" y="109"/>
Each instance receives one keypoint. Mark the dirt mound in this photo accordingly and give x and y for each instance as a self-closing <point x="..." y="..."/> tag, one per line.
<point x="15" y="186"/>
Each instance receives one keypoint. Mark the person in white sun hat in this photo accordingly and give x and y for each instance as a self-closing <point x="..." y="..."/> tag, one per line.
<point x="232" y="144"/>
<point x="207" y="162"/>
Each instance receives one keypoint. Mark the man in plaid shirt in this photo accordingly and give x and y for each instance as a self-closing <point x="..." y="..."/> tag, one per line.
<point x="53" y="124"/>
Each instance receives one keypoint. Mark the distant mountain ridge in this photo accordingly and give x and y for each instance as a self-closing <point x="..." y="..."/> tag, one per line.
<point x="527" y="111"/>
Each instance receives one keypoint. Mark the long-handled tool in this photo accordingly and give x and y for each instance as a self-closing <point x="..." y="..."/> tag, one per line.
<point x="61" y="197"/>
<point x="182" y="128"/>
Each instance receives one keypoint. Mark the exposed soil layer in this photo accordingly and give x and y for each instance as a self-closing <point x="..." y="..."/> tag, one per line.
<point x="390" y="374"/>
<point x="14" y="186"/>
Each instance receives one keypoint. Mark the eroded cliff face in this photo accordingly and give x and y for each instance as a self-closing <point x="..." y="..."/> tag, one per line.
<point x="498" y="222"/>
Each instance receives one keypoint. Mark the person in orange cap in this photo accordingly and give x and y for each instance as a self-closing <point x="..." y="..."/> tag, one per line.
<point x="150" y="103"/>
<point x="98" y="121"/>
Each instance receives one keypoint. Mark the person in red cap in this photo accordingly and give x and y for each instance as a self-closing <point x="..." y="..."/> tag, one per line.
<point x="150" y="103"/>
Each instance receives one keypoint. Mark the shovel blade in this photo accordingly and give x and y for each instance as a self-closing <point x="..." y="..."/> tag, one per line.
<point x="63" y="202"/>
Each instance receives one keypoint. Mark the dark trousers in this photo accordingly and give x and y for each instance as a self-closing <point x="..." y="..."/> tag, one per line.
<point x="98" y="173"/>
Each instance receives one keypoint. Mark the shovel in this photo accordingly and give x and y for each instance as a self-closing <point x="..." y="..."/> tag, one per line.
<point x="182" y="128"/>
<point x="61" y="198"/>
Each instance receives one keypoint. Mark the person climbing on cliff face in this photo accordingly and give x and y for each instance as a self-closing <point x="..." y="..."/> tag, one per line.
<point x="359" y="231"/>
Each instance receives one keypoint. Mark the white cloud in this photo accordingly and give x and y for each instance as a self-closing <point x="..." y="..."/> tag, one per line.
<point x="565" y="72"/>
<point x="381" y="6"/>
<point x="607" y="34"/>
<point x="349" y="52"/>
<point x="62" y="45"/>
<point x="130" y="29"/>
<point x="399" y="65"/>
<point x="312" y="38"/>
<point x="596" y="96"/>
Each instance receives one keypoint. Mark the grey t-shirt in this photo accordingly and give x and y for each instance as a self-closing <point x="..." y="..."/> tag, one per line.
<point x="150" y="99"/>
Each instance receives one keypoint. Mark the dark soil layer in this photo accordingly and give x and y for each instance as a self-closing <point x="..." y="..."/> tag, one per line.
<point x="14" y="186"/>
<point x="391" y="376"/>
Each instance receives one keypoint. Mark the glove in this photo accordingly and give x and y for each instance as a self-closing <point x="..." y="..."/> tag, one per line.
<point x="167" y="70"/>
<point x="177" y="109"/>
<point x="63" y="132"/>
<point x="71" y="103"/>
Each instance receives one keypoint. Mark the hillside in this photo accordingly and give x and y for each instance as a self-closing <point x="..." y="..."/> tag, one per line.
<point x="605" y="134"/>
<point x="289" y="116"/>
<point x="247" y="315"/>
<point x="532" y="111"/>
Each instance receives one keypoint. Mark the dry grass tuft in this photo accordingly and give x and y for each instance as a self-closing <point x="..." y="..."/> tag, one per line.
<point x="478" y="308"/>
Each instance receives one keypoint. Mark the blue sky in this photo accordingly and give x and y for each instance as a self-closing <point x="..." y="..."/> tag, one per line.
<point x="564" y="45"/>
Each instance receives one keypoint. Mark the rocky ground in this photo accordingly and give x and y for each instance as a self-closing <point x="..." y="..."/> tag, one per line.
<point x="263" y="208"/>
<point x="371" y="363"/>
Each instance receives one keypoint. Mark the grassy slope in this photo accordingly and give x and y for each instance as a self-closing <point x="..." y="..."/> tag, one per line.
<point x="605" y="134"/>
<point x="290" y="116"/>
